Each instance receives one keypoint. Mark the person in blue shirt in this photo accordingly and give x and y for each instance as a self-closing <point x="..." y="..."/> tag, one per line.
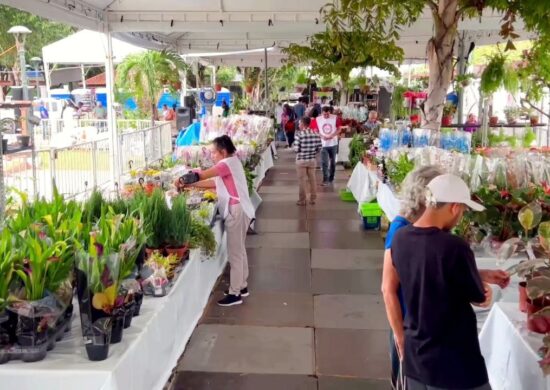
<point x="412" y="207"/>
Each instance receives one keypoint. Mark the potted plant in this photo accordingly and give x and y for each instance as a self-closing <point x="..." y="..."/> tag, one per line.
<point x="498" y="74"/>
<point x="512" y="114"/>
<point x="533" y="117"/>
<point x="154" y="214"/>
<point x="493" y="120"/>
<point x="326" y="83"/>
<point x="8" y="321"/>
<point x="449" y="111"/>
<point x="178" y="232"/>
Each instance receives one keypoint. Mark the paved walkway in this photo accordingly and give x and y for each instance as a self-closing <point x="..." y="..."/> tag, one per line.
<point x="315" y="317"/>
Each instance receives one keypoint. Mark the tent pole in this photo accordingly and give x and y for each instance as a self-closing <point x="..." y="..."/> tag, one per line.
<point x="83" y="75"/>
<point x="47" y="78"/>
<point x="461" y="72"/>
<point x="111" y="115"/>
<point x="266" y="89"/>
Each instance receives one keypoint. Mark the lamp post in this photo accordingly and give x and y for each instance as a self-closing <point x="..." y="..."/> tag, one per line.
<point x="20" y="33"/>
<point x="36" y="61"/>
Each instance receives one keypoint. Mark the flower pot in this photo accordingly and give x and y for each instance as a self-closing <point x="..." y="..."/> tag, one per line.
<point x="118" y="328"/>
<point x="523" y="296"/>
<point x="493" y="121"/>
<point x="511" y="120"/>
<point x="4" y="145"/>
<point x="537" y="324"/>
<point x="150" y="251"/>
<point x="218" y="87"/>
<point x="96" y="324"/>
<point x="534" y="120"/>
<point x="447" y="120"/>
<point x="24" y="140"/>
<point x="326" y="89"/>
<point x="138" y="297"/>
<point x="128" y="314"/>
<point x="249" y="88"/>
<point x="179" y="251"/>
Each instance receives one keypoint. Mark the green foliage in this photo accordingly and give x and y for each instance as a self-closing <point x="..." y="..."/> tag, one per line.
<point x="356" y="150"/>
<point x="498" y="73"/>
<point x="398" y="109"/>
<point x="241" y="103"/>
<point x="145" y="75"/>
<point x="225" y="75"/>
<point x="302" y="76"/>
<point x="202" y="237"/>
<point x="7" y="266"/>
<point x="250" y="176"/>
<point x="155" y="214"/>
<point x="399" y="168"/>
<point x="180" y="222"/>
<point x="44" y="32"/>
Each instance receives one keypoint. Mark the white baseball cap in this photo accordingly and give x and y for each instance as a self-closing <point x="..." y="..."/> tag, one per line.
<point x="452" y="189"/>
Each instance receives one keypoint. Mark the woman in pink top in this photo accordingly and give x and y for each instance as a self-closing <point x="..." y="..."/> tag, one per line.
<point x="229" y="179"/>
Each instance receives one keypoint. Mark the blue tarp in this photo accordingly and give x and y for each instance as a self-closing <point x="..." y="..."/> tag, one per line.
<point x="189" y="136"/>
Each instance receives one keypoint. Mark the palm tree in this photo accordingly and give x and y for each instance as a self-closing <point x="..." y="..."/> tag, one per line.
<point x="147" y="73"/>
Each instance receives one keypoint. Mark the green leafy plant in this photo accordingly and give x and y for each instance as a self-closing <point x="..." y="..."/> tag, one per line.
<point x="398" y="109"/>
<point x="202" y="237"/>
<point x="398" y="169"/>
<point x="225" y="75"/>
<point x="155" y="214"/>
<point x="180" y="222"/>
<point x="498" y="73"/>
<point x="302" y="77"/>
<point x="357" y="150"/>
<point x="7" y="266"/>
<point x="250" y="176"/>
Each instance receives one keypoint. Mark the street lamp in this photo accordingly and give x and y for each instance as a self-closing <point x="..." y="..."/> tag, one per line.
<point x="20" y="33"/>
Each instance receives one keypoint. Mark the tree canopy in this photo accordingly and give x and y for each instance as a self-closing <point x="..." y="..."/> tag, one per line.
<point x="44" y="32"/>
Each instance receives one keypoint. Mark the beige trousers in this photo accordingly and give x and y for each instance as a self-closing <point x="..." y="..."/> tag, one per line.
<point x="236" y="226"/>
<point x="306" y="173"/>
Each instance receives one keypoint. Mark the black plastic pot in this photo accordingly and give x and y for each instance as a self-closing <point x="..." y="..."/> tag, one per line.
<point x="4" y="145"/>
<point x="128" y="314"/>
<point x="96" y="324"/>
<point x="138" y="297"/>
<point x="8" y="323"/>
<point x="30" y="333"/>
<point x="118" y="329"/>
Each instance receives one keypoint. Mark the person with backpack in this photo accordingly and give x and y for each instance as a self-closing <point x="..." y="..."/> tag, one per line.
<point x="289" y="123"/>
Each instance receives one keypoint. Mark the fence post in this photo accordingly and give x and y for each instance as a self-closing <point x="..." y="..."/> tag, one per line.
<point x="145" y="159"/>
<point x="160" y="128"/>
<point x="94" y="165"/>
<point x="52" y="167"/>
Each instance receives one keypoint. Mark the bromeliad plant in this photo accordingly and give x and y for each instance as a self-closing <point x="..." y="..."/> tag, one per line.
<point x="7" y="267"/>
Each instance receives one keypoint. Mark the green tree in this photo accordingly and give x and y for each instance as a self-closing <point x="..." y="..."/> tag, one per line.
<point x="337" y="53"/>
<point x="392" y="15"/>
<point x="147" y="73"/>
<point x="44" y="32"/>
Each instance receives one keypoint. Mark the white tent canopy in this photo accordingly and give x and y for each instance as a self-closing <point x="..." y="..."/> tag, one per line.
<point x="86" y="48"/>
<point x="223" y="25"/>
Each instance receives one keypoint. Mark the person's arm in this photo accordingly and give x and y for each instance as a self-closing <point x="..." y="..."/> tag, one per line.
<point x="498" y="277"/>
<point x="390" y="288"/>
<point x="209" y="183"/>
<point x="318" y="144"/>
<point x="466" y="277"/>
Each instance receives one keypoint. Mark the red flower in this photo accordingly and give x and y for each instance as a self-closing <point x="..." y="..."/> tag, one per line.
<point x="546" y="187"/>
<point x="504" y="194"/>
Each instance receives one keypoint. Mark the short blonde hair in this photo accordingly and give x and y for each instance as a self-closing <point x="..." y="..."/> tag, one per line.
<point x="413" y="191"/>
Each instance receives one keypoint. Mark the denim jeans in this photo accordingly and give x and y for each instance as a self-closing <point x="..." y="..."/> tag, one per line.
<point x="415" y="385"/>
<point x="328" y="162"/>
<point x="290" y="138"/>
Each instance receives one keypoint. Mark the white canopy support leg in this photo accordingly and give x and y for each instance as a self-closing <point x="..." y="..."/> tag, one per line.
<point x="114" y="145"/>
<point x="83" y="75"/>
<point x="47" y="78"/>
<point x="266" y="89"/>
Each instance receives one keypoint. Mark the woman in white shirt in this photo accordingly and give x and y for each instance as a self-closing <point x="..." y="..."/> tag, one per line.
<point x="229" y="179"/>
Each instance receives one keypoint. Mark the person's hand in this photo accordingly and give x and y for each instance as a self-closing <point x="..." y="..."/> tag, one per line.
<point x="488" y="296"/>
<point x="179" y="184"/>
<point x="498" y="277"/>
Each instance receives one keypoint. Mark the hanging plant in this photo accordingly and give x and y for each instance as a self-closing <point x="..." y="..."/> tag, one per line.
<point x="499" y="74"/>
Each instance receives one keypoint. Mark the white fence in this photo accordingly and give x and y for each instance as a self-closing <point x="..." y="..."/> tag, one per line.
<point x="81" y="167"/>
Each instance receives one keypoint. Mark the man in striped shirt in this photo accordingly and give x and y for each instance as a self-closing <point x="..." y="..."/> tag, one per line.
<point x="307" y="144"/>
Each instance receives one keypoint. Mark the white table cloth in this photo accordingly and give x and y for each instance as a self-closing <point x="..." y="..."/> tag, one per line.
<point x="365" y="187"/>
<point x="510" y="350"/>
<point x="266" y="163"/>
<point x="343" y="150"/>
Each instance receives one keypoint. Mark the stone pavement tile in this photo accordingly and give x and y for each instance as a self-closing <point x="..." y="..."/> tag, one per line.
<point x="281" y="189"/>
<point x="278" y="240"/>
<point x="264" y="309"/>
<point x="352" y="353"/>
<point x="280" y="183"/>
<point x="273" y="280"/>
<point x="350" y="312"/>
<point x="269" y="198"/>
<point x="332" y="204"/>
<point x="345" y="240"/>
<point x="350" y="214"/>
<point x="369" y="259"/>
<point x="268" y="225"/>
<point x="279" y="258"/>
<point x="281" y="210"/>
<point x="189" y="380"/>
<point x="336" y="383"/>
<point x="250" y="349"/>
<point x="346" y="281"/>
<point x="334" y="225"/>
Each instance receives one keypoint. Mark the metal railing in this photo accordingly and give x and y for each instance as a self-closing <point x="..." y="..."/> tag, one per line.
<point x="76" y="169"/>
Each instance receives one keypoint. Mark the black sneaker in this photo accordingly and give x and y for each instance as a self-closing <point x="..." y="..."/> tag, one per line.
<point x="230" y="300"/>
<point x="244" y="292"/>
